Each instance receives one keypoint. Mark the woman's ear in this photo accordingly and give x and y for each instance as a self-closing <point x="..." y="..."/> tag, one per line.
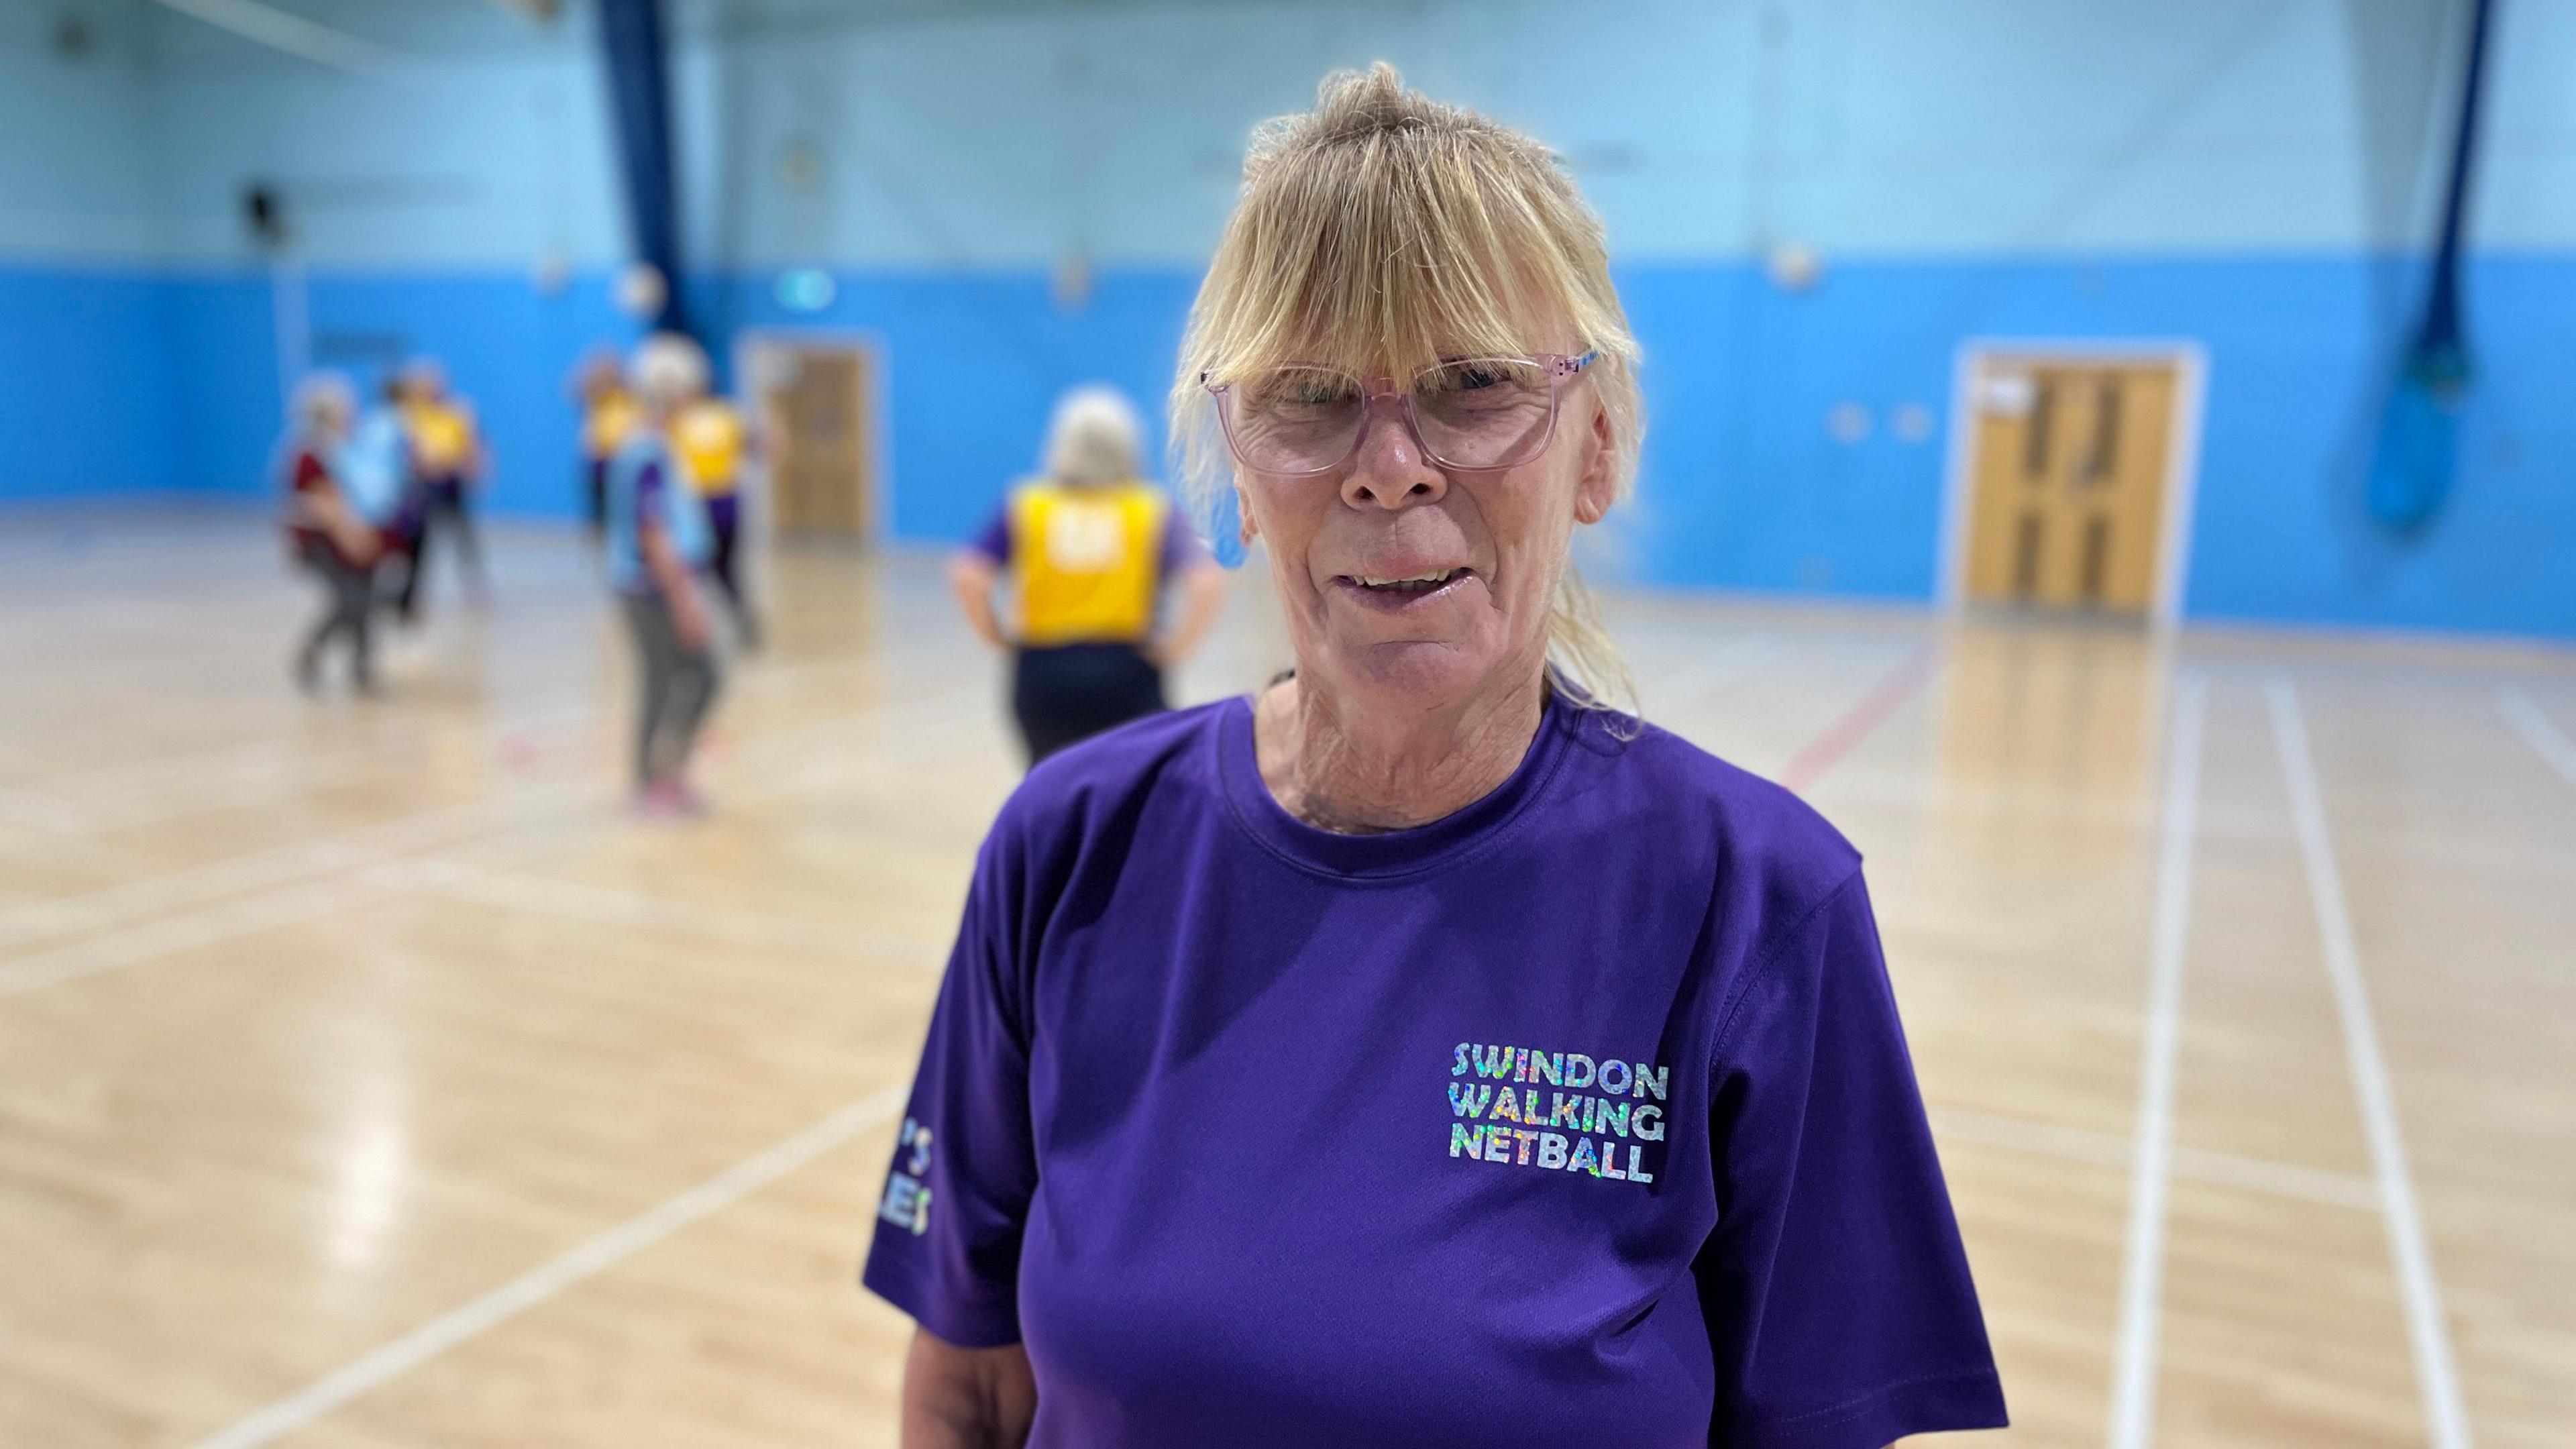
<point x="1597" y="486"/>
<point x="1245" y="529"/>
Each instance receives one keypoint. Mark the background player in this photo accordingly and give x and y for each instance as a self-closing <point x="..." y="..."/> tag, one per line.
<point x="1088" y="549"/>
<point x="326" y="534"/>
<point x="447" y="464"/>
<point x="658" y="543"/>
<point x="714" y="445"/>
<point x="607" y="416"/>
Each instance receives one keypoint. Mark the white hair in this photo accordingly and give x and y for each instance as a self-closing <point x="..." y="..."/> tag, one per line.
<point x="321" y="397"/>
<point x="425" y="373"/>
<point x="669" y="369"/>
<point x="1096" y="436"/>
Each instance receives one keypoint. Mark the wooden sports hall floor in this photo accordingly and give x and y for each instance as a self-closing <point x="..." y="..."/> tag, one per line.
<point x="369" y="1079"/>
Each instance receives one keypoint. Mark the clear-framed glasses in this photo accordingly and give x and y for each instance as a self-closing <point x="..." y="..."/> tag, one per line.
<point x="1474" y="414"/>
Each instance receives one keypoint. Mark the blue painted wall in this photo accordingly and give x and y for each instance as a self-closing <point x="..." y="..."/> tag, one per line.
<point x="976" y="362"/>
<point x="81" y="369"/>
<point x="2249" y="177"/>
<point x="224" y="411"/>
<point x="82" y="379"/>
<point x="1745" y="487"/>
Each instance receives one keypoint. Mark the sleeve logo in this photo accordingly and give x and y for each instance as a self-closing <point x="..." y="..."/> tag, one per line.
<point x="906" y="1203"/>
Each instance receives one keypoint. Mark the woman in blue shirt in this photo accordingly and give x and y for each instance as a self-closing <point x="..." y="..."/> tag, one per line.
<point x="1419" y="1051"/>
<point x="659" y="545"/>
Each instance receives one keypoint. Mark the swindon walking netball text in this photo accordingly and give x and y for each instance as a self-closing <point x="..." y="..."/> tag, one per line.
<point x="1610" y="1100"/>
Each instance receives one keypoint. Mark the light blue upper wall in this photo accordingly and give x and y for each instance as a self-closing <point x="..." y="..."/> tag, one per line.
<point x="1012" y="135"/>
<point x="482" y="143"/>
<point x="75" y="180"/>
<point x="1861" y="127"/>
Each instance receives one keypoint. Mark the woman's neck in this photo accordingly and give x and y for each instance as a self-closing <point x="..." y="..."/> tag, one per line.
<point x="1342" y="766"/>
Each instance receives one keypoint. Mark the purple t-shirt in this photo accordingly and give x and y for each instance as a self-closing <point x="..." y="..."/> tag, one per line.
<point x="1579" y="1117"/>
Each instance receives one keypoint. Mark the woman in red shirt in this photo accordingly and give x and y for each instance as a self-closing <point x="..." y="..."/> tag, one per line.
<point x="324" y="533"/>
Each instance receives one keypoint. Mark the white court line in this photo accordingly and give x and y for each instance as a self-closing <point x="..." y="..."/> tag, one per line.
<point x="152" y="791"/>
<point x="571" y="900"/>
<point x="2437" y="1375"/>
<point x="2537" y="732"/>
<point x="246" y="916"/>
<point x="2277" y="1179"/>
<point x="380" y="1366"/>
<point x="2242" y="822"/>
<point x="288" y="874"/>
<point x="383" y="840"/>
<point x="258" y="782"/>
<point x="2216" y="1169"/>
<point x="276" y="865"/>
<point x="2133" y="1390"/>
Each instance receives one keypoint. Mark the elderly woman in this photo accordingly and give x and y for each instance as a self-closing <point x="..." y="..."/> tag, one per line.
<point x="326" y="534"/>
<point x="1419" y="1052"/>
<point x="607" y="417"/>
<point x="658" y="547"/>
<point x="1090" y="549"/>
<point x="447" y="464"/>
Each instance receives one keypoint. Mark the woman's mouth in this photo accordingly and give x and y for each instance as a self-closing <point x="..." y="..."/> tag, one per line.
<point x="1400" y="591"/>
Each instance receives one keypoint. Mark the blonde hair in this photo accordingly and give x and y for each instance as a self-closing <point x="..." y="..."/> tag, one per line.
<point x="1095" y="437"/>
<point x="1383" y="230"/>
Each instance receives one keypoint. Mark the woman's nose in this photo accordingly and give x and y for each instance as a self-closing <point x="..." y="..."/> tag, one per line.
<point x="1389" y="470"/>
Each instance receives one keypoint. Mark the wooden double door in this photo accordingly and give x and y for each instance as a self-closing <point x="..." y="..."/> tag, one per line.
<point x="2070" y="465"/>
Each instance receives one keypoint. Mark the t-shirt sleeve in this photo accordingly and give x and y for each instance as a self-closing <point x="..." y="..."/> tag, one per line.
<point x="1836" y="1289"/>
<point x="994" y="542"/>
<point x="949" y="1221"/>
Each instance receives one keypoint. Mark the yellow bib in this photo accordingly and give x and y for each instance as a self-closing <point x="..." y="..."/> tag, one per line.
<point x="604" y="428"/>
<point x="708" y="435"/>
<point x="442" y="438"/>
<point x="1087" y="561"/>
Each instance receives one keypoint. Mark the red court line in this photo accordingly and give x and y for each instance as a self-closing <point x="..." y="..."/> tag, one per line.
<point x="1839" y="738"/>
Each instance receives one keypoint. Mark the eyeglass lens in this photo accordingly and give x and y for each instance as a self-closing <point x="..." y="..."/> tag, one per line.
<point x="1481" y="412"/>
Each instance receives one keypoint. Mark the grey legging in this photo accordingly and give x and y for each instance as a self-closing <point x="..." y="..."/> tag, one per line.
<point x="348" y="589"/>
<point x="679" y="685"/>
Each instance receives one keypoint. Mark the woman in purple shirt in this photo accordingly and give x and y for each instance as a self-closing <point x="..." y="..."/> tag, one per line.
<point x="1420" y="1051"/>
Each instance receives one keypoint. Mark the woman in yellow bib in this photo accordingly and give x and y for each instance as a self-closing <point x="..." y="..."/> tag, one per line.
<point x="713" y="444"/>
<point x="1089" y="550"/>
<point x="446" y="466"/>
<point x="608" y="413"/>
